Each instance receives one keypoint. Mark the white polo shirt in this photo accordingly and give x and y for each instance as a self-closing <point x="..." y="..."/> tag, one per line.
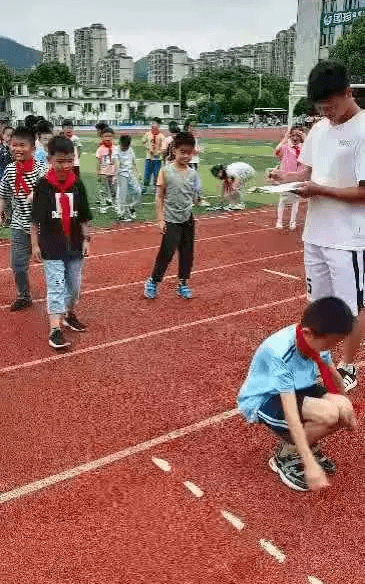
<point x="337" y="157"/>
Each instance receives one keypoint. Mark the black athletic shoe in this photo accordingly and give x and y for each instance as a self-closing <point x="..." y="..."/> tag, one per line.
<point x="73" y="323"/>
<point x="348" y="374"/>
<point x="291" y="471"/>
<point x="326" y="463"/>
<point x="20" y="304"/>
<point x="57" y="340"/>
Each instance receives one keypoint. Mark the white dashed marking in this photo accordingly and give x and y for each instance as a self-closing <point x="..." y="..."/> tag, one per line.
<point x="271" y="549"/>
<point x="162" y="464"/>
<point x="281" y="274"/>
<point x="314" y="580"/>
<point x="194" y="489"/>
<point x="234" y="520"/>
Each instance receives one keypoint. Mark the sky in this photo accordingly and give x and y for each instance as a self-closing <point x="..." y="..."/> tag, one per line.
<point x="144" y="25"/>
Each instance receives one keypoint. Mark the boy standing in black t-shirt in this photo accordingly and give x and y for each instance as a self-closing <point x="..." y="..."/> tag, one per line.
<point x="60" y="239"/>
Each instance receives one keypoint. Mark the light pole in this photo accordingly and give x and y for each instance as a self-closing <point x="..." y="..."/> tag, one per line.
<point x="180" y="98"/>
<point x="260" y="85"/>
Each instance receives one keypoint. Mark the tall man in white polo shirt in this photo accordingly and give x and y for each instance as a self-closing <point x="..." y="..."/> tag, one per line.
<point x="334" y="174"/>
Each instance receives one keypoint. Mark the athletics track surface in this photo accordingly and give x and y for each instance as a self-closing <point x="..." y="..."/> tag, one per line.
<point x="98" y="443"/>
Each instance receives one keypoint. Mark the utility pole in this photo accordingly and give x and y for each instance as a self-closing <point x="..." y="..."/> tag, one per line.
<point x="260" y="86"/>
<point x="180" y="98"/>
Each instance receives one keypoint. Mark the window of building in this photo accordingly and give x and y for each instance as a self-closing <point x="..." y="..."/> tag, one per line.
<point x="70" y="107"/>
<point x="118" y="108"/>
<point x="329" y="5"/>
<point x="50" y="107"/>
<point x="27" y="106"/>
<point x="351" y="4"/>
<point x="166" y="109"/>
<point x="102" y="107"/>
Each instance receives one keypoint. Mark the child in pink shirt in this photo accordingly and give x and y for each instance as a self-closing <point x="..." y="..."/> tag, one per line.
<point x="106" y="169"/>
<point x="288" y="151"/>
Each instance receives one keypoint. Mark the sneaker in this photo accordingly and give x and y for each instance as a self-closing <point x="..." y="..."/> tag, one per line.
<point x="184" y="291"/>
<point x="20" y="304"/>
<point x="133" y="213"/>
<point x="292" y="226"/>
<point x="291" y="471"/>
<point x="238" y="207"/>
<point x="349" y="375"/>
<point x="150" y="289"/>
<point x="326" y="463"/>
<point x="124" y="219"/>
<point x="72" y="322"/>
<point x="279" y="226"/>
<point x="57" y="340"/>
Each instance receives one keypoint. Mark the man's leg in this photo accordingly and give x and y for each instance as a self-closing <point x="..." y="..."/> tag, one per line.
<point x="147" y="174"/>
<point x="21" y="251"/>
<point x="73" y="274"/>
<point x="156" y="165"/>
<point x="318" y="276"/>
<point x="55" y="277"/>
<point x="170" y="242"/>
<point x="186" y="250"/>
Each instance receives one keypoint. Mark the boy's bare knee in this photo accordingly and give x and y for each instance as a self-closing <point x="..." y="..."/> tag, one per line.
<point x="326" y="413"/>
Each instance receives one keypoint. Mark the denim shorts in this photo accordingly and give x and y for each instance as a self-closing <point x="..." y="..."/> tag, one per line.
<point x="63" y="279"/>
<point x="271" y="412"/>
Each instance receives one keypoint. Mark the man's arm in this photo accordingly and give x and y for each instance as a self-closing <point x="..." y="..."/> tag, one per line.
<point x="280" y="176"/>
<point x="315" y="476"/>
<point x="349" y="195"/>
<point x="160" y="200"/>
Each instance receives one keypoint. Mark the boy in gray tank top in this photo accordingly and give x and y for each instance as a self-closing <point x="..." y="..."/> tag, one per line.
<point x="178" y="188"/>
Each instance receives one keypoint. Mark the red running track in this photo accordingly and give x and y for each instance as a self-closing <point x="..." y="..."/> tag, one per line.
<point x="143" y="370"/>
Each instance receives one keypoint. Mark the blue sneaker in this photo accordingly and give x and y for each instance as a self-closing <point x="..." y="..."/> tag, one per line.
<point x="184" y="291"/>
<point x="150" y="289"/>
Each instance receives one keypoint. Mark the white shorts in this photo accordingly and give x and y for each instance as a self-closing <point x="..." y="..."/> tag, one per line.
<point x="335" y="272"/>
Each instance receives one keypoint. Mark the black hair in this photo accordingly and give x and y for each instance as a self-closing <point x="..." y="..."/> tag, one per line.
<point x="125" y="140"/>
<point x="100" y="126"/>
<point x="67" y="124"/>
<point x="44" y="127"/>
<point x="60" y="144"/>
<point x="184" y="139"/>
<point x="187" y="123"/>
<point x="106" y="130"/>
<point x="26" y="133"/>
<point x="328" y="316"/>
<point x="157" y="120"/>
<point x="30" y="121"/>
<point x="326" y="79"/>
<point x="219" y="168"/>
<point x="173" y="127"/>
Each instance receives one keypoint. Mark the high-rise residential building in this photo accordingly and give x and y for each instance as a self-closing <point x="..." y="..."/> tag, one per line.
<point x="141" y="70"/>
<point x="115" y="68"/>
<point x="319" y="24"/>
<point x="56" y="47"/>
<point x="283" y="53"/>
<point x="90" y="47"/>
<point x="262" y="57"/>
<point x="242" y="56"/>
<point x="167" y="65"/>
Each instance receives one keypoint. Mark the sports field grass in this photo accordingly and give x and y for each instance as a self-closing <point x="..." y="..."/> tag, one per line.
<point x="214" y="151"/>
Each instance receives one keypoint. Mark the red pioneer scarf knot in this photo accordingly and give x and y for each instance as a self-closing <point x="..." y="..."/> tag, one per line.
<point x="21" y="168"/>
<point x="62" y="187"/>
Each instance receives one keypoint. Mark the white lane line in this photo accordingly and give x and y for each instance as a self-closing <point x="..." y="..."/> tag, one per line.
<point x="194" y="489"/>
<point x="162" y="464"/>
<point x="314" y="580"/>
<point x="274" y="551"/>
<point x="282" y="274"/>
<point x="115" y="457"/>
<point x="138" y="249"/>
<point x="143" y="336"/>
<point x="233" y="520"/>
<point x="202" y="271"/>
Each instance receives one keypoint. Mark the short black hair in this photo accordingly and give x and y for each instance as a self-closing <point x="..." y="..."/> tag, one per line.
<point x="106" y="130"/>
<point x="157" y="120"/>
<point x="26" y="133"/>
<point x="60" y="144"/>
<point x="30" y="121"/>
<point x="187" y="123"/>
<point x="328" y="316"/>
<point x="125" y="140"/>
<point x="184" y="139"/>
<point x="44" y="127"/>
<point x="219" y="168"/>
<point x="174" y="127"/>
<point x="100" y="126"/>
<point x="67" y="124"/>
<point x="326" y="79"/>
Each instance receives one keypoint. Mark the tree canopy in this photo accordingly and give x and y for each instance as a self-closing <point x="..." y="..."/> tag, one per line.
<point x="6" y="80"/>
<point x="50" y="74"/>
<point x="350" y="48"/>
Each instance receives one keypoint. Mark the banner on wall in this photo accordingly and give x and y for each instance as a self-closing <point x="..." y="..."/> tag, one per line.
<point x="341" y="17"/>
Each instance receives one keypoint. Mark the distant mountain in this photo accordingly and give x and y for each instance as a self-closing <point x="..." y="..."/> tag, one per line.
<point x="17" y="56"/>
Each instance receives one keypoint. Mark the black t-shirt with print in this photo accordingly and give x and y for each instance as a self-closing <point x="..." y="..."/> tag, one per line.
<point x="46" y="212"/>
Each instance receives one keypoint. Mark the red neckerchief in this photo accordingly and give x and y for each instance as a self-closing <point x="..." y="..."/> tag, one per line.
<point x="297" y="150"/>
<point x="21" y="168"/>
<point x="109" y="147"/>
<point x="155" y="132"/>
<point x="324" y="369"/>
<point x="62" y="187"/>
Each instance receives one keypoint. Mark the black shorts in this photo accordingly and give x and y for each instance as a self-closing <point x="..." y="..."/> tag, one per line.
<point x="271" y="412"/>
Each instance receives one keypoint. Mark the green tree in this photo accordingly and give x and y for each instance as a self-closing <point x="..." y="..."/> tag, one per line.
<point x="303" y="107"/>
<point x="50" y="74"/>
<point x="241" y="102"/>
<point x="267" y="99"/>
<point x="6" y="80"/>
<point x="350" y="48"/>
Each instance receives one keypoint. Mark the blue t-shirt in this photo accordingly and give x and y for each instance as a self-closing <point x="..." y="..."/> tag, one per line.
<point x="41" y="155"/>
<point x="277" y="367"/>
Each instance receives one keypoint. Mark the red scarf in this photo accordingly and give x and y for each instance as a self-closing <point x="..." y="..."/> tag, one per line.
<point x="62" y="187"/>
<point x="21" y="168"/>
<point x="324" y="369"/>
<point x="155" y="132"/>
<point x="109" y="147"/>
<point x="297" y="149"/>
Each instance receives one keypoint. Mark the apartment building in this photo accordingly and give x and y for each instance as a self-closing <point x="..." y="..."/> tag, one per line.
<point x="90" y="47"/>
<point x="283" y="53"/>
<point x="56" y="47"/>
<point x="167" y="65"/>
<point x="115" y="68"/>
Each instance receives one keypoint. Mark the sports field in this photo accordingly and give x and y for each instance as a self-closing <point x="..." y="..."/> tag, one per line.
<point x="215" y="150"/>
